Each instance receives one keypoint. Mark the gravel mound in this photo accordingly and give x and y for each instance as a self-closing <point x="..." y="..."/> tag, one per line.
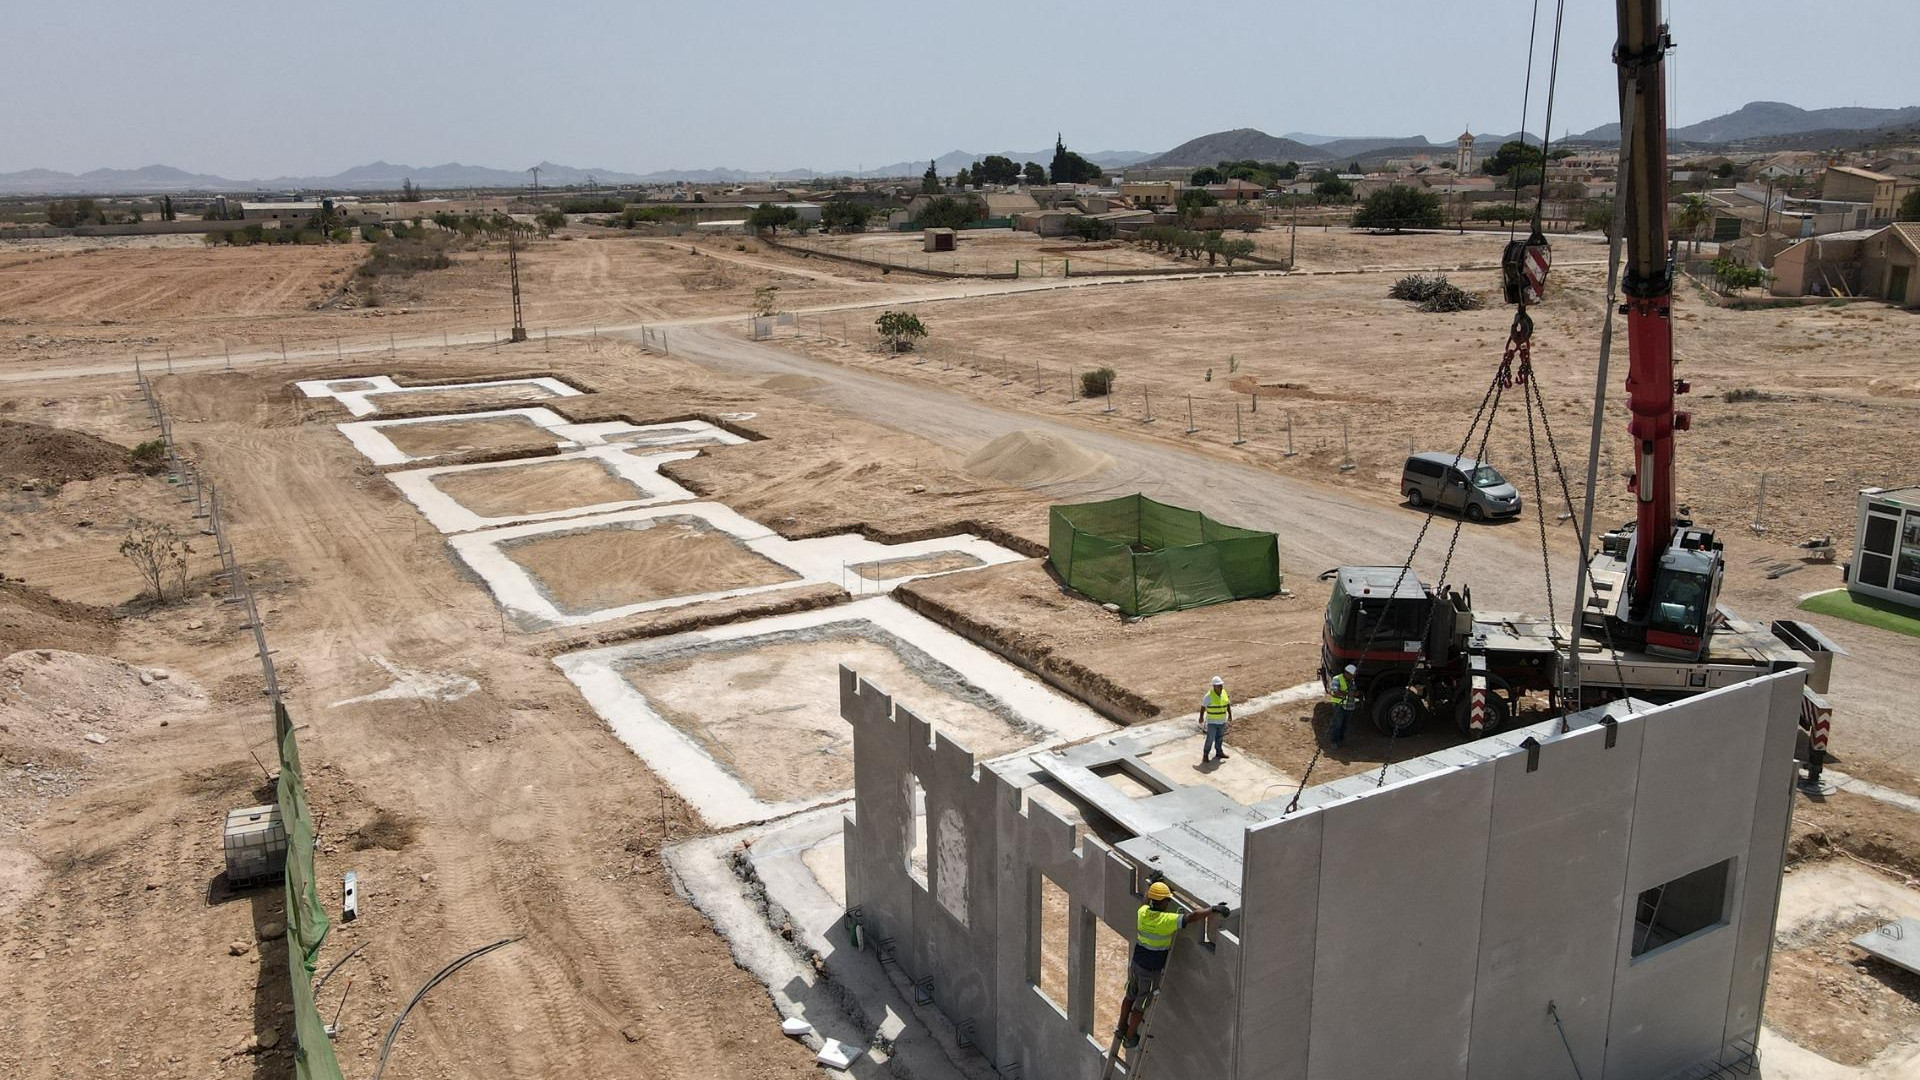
<point x="1028" y="458"/>
<point x="53" y="456"/>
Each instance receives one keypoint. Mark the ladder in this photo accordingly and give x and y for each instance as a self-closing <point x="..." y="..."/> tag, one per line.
<point x="1136" y="1061"/>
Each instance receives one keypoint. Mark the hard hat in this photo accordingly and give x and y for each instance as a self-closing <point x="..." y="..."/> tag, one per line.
<point x="1158" y="891"/>
<point x="1218" y="681"/>
<point x="1351" y="670"/>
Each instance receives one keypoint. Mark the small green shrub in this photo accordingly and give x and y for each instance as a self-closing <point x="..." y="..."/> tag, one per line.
<point x="1746" y="393"/>
<point x="151" y="455"/>
<point x="1097" y="383"/>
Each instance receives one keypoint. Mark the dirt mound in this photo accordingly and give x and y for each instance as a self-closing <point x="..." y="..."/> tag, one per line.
<point x="53" y="456"/>
<point x="1034" y="457"/>
<point x="31" y="619"/>
<point x="792" y="382"/>
<point x="56" y="698"/>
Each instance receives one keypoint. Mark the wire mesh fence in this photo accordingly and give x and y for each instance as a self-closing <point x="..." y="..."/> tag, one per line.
<point x="306" y="918"/>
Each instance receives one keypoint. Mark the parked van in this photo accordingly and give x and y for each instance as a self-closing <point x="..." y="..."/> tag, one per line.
<point x="1463" y="485"/>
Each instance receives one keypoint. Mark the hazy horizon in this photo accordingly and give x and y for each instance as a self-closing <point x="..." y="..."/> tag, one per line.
<point x="650" y="87"/>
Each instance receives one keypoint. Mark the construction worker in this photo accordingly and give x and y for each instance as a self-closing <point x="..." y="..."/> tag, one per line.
<point x="1345" y="699"/>
<point x="1158" y="922"/>
<point x="1215" y="710"/>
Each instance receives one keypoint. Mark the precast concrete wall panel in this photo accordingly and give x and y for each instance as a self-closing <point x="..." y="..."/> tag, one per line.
<point x="1279" y="926"/>
<point x="1549" y="928"/>
<point x="1772" y="819"/>
<point x="1402" y="876"/>
<point x="1670" y="1004"/>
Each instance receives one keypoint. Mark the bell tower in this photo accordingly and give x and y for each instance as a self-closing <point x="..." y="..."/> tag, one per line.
<point x="1463" y="163"/>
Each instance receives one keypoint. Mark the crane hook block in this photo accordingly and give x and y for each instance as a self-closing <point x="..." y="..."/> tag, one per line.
<point x="1523" y="268"/>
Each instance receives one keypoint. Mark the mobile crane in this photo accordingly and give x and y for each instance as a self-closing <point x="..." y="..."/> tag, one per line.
<point x="1651" y="625"/>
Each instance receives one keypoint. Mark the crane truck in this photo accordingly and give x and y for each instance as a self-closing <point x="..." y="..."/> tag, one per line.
<point x="1651" y="626"/>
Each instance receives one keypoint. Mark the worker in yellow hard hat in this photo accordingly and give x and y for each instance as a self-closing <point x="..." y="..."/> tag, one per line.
<point x="1157" y="923"/>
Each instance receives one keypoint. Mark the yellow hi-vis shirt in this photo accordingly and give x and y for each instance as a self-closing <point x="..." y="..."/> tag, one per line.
<point x="1342" y="689"/>
<point x="1156" y="928"/>
<point x="1216" y="704"/>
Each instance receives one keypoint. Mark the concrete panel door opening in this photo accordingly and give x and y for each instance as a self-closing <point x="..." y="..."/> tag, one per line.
<point x="1049" y="961"/>
<point x="1692" y="904"/>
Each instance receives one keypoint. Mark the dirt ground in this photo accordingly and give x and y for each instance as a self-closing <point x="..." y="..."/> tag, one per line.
<point x="995" y="251"/>
<point x="768" y="711"/>
<point x="464" y="436"/>
<point x="535" y="488"/>
<point x="429" y="401"/>
<point x="514" y="810"/>
<point x="589" y="570"/>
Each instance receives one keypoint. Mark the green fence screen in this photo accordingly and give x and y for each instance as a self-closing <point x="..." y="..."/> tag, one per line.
<point x="307" y="921"/>
<point x="1149" y="557"/>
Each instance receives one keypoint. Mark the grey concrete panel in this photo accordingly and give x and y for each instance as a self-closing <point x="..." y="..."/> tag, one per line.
<point x="1556" y="854"/>
<point x="1401" y="879"/>
<point x="1766" y="854"/>
<point x="1670" y="1005"/>
<point x="1278" y="929"/>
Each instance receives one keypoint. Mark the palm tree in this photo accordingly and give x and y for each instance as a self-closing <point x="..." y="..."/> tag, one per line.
<point x="1694" y="214"/>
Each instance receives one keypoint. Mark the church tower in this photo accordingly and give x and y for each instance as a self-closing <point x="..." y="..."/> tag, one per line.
<point x="1463" y="163"/>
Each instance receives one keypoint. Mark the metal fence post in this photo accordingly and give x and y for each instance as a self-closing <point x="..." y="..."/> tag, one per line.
<point x="1289" y="452"/>
<point x="1238" y="438"/>
<point x="1190" y="428"/>
<point x="1147" y="396"/>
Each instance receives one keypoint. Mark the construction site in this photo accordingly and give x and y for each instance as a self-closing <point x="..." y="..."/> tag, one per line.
<point x="624" y="654"/>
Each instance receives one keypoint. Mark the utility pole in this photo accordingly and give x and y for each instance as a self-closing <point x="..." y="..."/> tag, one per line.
<point x="536" y="182"/>
<point x="1293" y="233"/>
<point x="513" y="271"/>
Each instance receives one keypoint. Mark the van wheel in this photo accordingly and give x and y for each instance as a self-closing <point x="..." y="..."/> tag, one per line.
<point x="1414" y="498"/>
<point x="1475" y="513"/>
<point x="1398" y="712"/>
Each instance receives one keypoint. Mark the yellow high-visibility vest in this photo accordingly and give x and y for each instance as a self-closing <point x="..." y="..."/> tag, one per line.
<point x="1156" y="928"/>
<point x="1216" y="706"/>
<point x="1342" y="689"/>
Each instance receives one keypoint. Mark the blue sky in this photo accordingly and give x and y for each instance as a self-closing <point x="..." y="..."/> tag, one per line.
<point x="287" y="90"/>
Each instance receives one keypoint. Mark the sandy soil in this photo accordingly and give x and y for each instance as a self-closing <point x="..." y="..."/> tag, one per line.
<point x="536" y="488"/>
<point x="462" y="436"/>
<point x="589" y="570"/>
<point x="994" y="251"/>
<point x="432" y="401"/>
<point x="1827" y="994"/>
<point x="769" y="712"/>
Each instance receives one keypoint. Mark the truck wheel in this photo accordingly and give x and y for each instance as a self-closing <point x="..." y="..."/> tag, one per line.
<point x="1415" y="499"/>
<point x="1398" y="711"/>
<point x="1497" y="715"/>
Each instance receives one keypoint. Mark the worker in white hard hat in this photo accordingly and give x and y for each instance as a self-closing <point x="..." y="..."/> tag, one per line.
<point x="1215" y="710"/>
<point x="1345" y="698"/>
<point x="1157" y="923"/>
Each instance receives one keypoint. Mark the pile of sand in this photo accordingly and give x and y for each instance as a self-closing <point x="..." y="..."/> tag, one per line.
<point x="1027" y="458"/>
<point x="51" y="456"/>
<point x="30" y="617"/>
<point x="58" y="698"/>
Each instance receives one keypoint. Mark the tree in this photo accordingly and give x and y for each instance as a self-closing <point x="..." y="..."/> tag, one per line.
<point x="1069" y="167"/>
<point x="765" y="300"/>
<point x="1206" y="175"/>
<point x="1234" y="249"/>
<point x="845" y="216"/>
<point x="930" y="181"/>
<point x="1501" y="212"/>
<point x="1033" y="173"/>
<point x="1733" y="277"/>
<point x="549" y="220"/>
<point x="1088" y="227"/>
<point x="1512" y="154"/>
<point x="947" y="212"/>
<point x="899" y="329"/>
<point x="1599" y="215"/>
<point x="1693" y="215"/>
<point x="1400" y="207"/>
<point x="166" y="208"/>
<point x="409" y="193"/>
<point x="1910" y="206"/>
<point x="768" y="217"/>
<point x="996" y="169"/>
<point x="1332" y="187"/>
<point x="1192" y="201"/>
<point x="1097" y="383"/>
<point x="158" y="553"/>
<point x="1723" y="170"/>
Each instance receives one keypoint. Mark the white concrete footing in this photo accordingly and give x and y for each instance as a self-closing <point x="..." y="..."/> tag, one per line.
<point x="357" y="394"/>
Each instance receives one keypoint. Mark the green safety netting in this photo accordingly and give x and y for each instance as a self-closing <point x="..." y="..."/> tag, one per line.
<point x="307" y="921"/>
<point x="1149" y="557"/>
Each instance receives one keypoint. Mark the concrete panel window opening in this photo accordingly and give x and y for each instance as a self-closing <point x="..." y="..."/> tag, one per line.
<point x="1682" y="908"/>
<point x="1048" y="967"/>
<point x="917" y="851"/>
<point x="949" y="861"/>
<point x="1111" y="951"/>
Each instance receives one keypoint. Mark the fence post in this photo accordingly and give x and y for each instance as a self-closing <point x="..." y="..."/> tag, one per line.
<point x="283" y="348"/>
<point x="1289" y="452"/>
<point x="337" y="353"/>
<point x="1190" y="428"/>
<point x="1760" y="507"/>
<point x="1146" y="395"/>
<point x="1109" y="407"/>
<point x="390" y="346"/>
<point x="1346" y="452"/>
<point x="1037" y="387"/>
<point x="228" y="349"/>
<point x="1238" y="438"/>
<point x="1255" y="395"/>
<point x="169" y="360"/>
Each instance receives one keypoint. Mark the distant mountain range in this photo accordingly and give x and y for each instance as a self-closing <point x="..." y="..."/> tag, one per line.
<point x="1771" y="124"/>
<point x="1765" y="119"/>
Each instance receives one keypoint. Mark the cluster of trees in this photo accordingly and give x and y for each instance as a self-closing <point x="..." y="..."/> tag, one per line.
<point x="1190" y="243"/>
<point x="1328" y="187"/>
<point x="1069" y="167"/>
<point x="1400" y="207"/>
<point x="845" y="215"/>
<point x="1910" y="206"/>
<point x="408" y="192"/>
<point x="259" y="234"/>
<point x="66" y="213"/>
<point x="646" y="215"/>
<point x="603" y="204"/>
<point x="1264" y="173"/>
<point x="1522" y="163"/>
<point x="407" y="252"/>
<point x="768" y="217"/>
<point x="1731" y="277"/>
<point x="470" y="226"/>
<point x="948" y="212"/>
<point x="549" y="220"/>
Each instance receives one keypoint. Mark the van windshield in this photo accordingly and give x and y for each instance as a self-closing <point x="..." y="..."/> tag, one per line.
<point x="1487" y="476"/>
